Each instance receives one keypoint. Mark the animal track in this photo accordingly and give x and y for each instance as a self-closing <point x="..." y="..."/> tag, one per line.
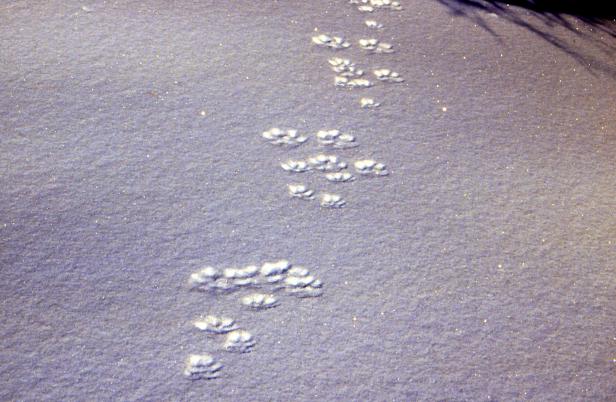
<point x="333" y="42"/>
<point x="339" y="177"/>
<point x="373" y="24"/>
<point x="326" y="163"/>
<point x="289" y="138"/>
<point x="239" y="341"/>
<point x="300" y="191"/>
<point x="212" y="280"/>
<point x="216" y="325"/>
<point x="345" y="82"/>
<point x="385" y="74"/>
<point x="268" y="275"/>
<point x="335" y="139"/>
<point x="240" y="273"/>
<point x="334" y="170"/>
<point x="332" y="201"/>
<point x="275" y="268"/>
<point x="202" y="367"/>
<point x="276" y="276"/>
<point x="344" y="67"/>
<point x="295" y="166"/>
<point x="369" y="167"/>
<point x="260" y="301"/>
<point x="271" y="278"/>
<point x="300" y="283"/>
<point x="371" y="5"/>
<point x="368" y="103"/>
<point x="373" y="45"/>
<point x="365" y="8"/>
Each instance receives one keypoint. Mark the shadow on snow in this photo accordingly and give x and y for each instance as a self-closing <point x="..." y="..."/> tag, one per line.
<point x="548" y="18"/>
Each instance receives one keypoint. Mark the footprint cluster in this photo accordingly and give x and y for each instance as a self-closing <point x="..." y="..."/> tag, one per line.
<point x="347" y="75"/>
<point x="236" y="340"/>
<point x="332" y="167"/>
<point x="266" y="282"/>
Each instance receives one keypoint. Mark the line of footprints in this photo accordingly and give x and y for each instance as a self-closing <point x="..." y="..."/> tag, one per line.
<point x="348" y="75"/>
<point x="270" y="279"/>
<point x="264" y="284"/>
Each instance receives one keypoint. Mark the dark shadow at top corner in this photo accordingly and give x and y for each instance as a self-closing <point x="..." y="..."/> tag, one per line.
<point x="597" y="11"/>
<point x="541" y="17"/>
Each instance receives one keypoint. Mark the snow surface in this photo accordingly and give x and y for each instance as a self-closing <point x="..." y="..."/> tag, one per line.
<point x="482" y="268"/>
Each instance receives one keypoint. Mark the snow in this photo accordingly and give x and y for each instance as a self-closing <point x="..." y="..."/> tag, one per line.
<point x="482" y="267"/>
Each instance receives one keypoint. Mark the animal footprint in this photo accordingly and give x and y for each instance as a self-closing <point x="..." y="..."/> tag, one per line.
<point x="385" y="74"/>
<point x="212" y="280"/>
<point x="369" y="167"/>
<point x="345" y="82"/>
<point x="333" y="167"/>
<point x="387" y="4"/>
<point x="332" y="201"/>
<point x="371" y="5"/>
<point x="373" y="24"/>
<point x="339" y="177"/>
<point x="239" y="341"/>
<point x="326" y="163"/>
<point x="300" y="283"/>
<point x="216" y="325"/>
<point x="335" y="139"/>
<point x="289" y="138"/>
<point x="270" y="275"/>
<point x="300" y="191"/>
<point x="202" y="367"/>
<point x="279" y="267"/>
<point x="295" y="166"/>
<point x="275" y="275"/>
<point x="344" y="67"/>
<point x="259" y="301"/>
<point x="281" y="276"/>
<point x="375" y="46"/>
<point x="368" y="103"/>
<point x="333" y="42"/>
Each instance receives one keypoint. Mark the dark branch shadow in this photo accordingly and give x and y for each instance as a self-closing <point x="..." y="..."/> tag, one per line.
<point x="544" y="17"/>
